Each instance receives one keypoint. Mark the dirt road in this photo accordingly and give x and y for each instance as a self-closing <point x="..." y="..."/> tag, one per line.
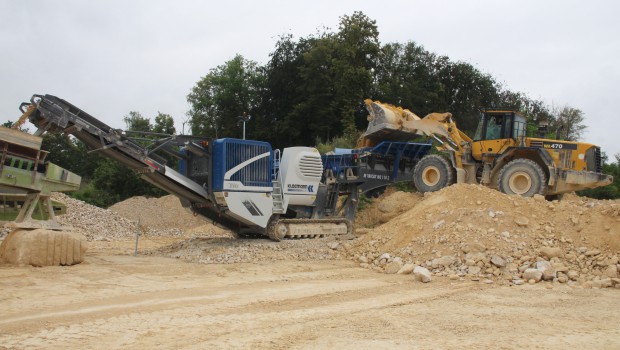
<point x="120" y="301"/>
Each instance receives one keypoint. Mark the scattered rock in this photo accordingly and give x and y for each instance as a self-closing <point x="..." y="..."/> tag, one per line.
<point x="385" y="256"/>
<point x="422" y="274"/>
<point x="444" y="261"/>
<point x="611" y="271"/>
<point x="473" y="248"/>
<point x="438" y="224"/>
<point x="498" y="261"/>
<point x="333" y="245"/>
<point x="532" y="275"/>
<point x="551" y="252"/>
<point x="473" y="270"/>
<point x="406" y="269"/>
<point x="604" y="283"/>
<point x="548" y="272"/>
<point x="562" y="278"/>
<point x="522" y="221"/>
<point x="393" y="267"/>
<point x="499" y="238"/>
<point x="476" y="257"/>
<point x="573" y="275"/>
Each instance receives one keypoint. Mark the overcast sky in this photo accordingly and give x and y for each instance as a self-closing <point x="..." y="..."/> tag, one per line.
<point x="112" y="57"/>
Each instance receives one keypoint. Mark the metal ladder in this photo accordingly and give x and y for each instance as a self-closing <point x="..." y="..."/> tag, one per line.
<point x="276" y="195"/>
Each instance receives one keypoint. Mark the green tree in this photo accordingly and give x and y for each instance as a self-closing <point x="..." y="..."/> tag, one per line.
<point x="406" y="75"/>
<point x="324" y="79"/>
<point x="164" y="123"/>
<point x="569" y="123"/>
<point x="465" y="91"/>
<point x="280" y="93"/>
<point x="223" y="95"/>
<point x="112" y="181"/>
<point x="315" y="111"/>
<point x="312" y="87"/>
<point x="136" y="122"/>
<point x="71" y="154"/>
<point x="357" y="52"/>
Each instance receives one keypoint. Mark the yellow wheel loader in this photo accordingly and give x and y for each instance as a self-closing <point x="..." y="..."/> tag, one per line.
<point x="500" y="155"/>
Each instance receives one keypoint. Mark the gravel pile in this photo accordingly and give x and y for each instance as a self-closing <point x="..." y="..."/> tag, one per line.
<point x="461" y="232"/>
<point x="472" y="232"/>
<point x="157" y="213"/>
<point x="230" y="250"/>
<point x="93" y="222"/>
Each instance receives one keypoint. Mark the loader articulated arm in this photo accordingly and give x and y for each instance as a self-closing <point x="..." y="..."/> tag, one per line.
<point x="387" y="122"/>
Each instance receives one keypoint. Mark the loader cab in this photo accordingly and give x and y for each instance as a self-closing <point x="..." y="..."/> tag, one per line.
<point x="496" y="125"/>
<point x="497" y="130"/>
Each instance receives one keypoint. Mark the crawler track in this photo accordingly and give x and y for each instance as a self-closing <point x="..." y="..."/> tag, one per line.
<point x="308" y="228"/>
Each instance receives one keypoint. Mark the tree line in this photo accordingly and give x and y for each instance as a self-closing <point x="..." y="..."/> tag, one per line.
<point x="312" y="89"/>
<point x="311" y="92"/>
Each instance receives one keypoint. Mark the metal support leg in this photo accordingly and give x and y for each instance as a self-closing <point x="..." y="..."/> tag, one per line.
<point x="30" y="203"/>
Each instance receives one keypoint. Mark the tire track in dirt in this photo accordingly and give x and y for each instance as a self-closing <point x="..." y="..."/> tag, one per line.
<point x="223" y="310"/>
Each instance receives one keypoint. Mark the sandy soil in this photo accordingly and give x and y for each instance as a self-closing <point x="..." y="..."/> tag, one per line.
<point x="115" y="300"/>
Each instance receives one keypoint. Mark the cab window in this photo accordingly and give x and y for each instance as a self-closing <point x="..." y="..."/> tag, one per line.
<point x="494" y="128"/>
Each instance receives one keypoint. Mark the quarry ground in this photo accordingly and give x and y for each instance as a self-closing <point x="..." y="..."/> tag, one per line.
<point x="194" y="285"/>
<point x="116" y="300"/>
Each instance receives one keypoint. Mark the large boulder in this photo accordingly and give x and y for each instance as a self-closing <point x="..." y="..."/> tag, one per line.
<point x="41" y="247"/>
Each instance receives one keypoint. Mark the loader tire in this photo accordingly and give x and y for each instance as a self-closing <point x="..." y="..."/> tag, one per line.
<point x="523" y="177"/>
<point x="433" y="173"/>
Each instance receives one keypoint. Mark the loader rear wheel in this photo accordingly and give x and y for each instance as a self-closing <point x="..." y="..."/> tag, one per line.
<point x="433" y="173"/>
<point x="523" y="177"/>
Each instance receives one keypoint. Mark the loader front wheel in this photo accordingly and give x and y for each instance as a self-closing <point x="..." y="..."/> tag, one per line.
<point x="523" y="177"/>
<point x="433" y="173"/>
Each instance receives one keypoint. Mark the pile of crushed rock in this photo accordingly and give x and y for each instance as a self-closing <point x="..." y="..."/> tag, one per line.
<point x="147" y="216"/>
<point x="163" y="212"/>
<point x="227" y="250"/>
<point x="472" y="232"/>
<point x="461" y="232"/>
<point x="94" y="223"/>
